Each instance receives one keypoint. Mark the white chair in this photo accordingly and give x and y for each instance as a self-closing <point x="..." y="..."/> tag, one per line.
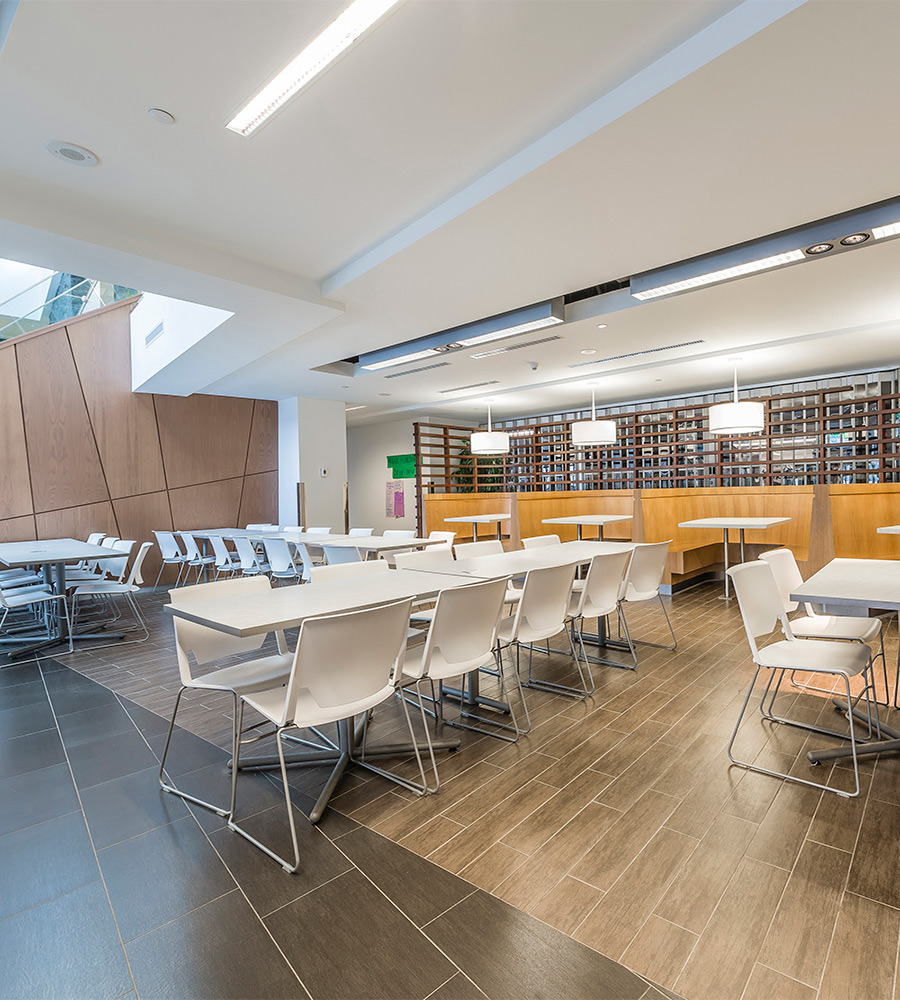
<point x="335" y="554"/>
<point x="38" y="601"/>
<point x="171" y="554"/>
<point x="598" y="598"/>
<point x="261" y="527"/>
<point x="317" y="694"/>
<point x="208" y="645"/>
<point x="110" y="589"/>
<point x="816" y="626"/>
<point x="431" y="556"/>
<point x="225" y="561"/>
<point x="398" y="533"/>
<point x="94" y="569"/>
<point x="538" y="541"/>
<point x="348" y="569"/>
<point x="361" y="531"/>
<point x="462" y="638"/>
<point x="306" y="561"/>
<point x="445" y="536"/>
<point x="641" y="583"/>
<point x="250" y="563"/>
<point x="292" y="527"/>
<point x="193" y="557"/>
<point x="318" y="531"/>
<point x="762" y="609"/>
<point x="470" y="550"/>
<point x="281" y="562"/>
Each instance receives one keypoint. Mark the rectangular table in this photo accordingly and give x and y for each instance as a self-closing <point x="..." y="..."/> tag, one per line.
<point x="727" y="524"/>
<point x="863" y="583"/>
<point x="288" y="607"/>
<point x="476" y="519"/>
<point x="890" y="529"/>
<point x="56" y="553"/>
<point x="595" y="520"/>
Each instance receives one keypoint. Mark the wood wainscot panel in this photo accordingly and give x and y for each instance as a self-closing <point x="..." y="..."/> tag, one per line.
<point x="857" y="510"/>
<point x="262" y="455"/>
<point x="204" y="438"/>
<point x="124" y="422"/>
<point x="534" y="507"/>
<point x="437" y="506"/>
<point x="65" y="466"/>
<point x="259" y="501"/>
<point x="18" y="529"/>
<point x="211" y="505"/>
<point x="15" y="483"/>
<point x="137" y="518"/>
<point x="77" y="522"/>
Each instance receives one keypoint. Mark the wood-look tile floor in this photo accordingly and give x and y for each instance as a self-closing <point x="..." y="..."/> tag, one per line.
<point x="619" y="821"/>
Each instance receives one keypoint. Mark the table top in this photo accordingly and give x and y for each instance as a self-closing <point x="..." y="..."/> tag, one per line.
<point x="373" y="543"/>
<point x="480" y="518"/>
<point x="891" y="529"/>
<point x="596" y="519"/>
<point x="288" y="536"/>
<point x="871" y="583"/>
<point x="52" y="550"/>
<point x="243" y="614"/>
<point x="519" y="562"/>
<point x="733" y="522"/>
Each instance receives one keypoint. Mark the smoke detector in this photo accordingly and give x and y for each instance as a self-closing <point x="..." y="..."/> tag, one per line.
<point x="68" y="152"/>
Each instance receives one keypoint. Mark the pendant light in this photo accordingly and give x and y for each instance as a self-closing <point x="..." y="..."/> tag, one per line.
<point x="489" y="442"/>
<point x="593" y="433"/>
<point x="737" y="417"/>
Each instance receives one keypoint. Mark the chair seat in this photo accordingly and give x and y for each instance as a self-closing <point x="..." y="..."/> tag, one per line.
<point x="526" y="633"/>
<point x="105" y="588"/>
<point x="244" y="678"/>
<point x="575" y="600"/>
<point x="836" y="627"/>
<point x="513" y="595"/>
<point x="202" y="561"/>
<point x="38" y="588"/>
<point x="309" y="712"/>
<point x="817" y="657"/>
<point x="639" y="595"/>
<point x="19" y="579"/>
<point x="412" y="665"/>
<point x="18" y="601"/>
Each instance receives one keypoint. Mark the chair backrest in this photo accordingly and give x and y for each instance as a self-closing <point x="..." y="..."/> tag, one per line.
<point x="760" y="601"/>
<point x="279" y="556"/>
<point x="291" y="527"/>
<point x="305" y="560"/>
<point x="544" y="605"/>
<point x="206" y="643"/>
<point x="536" y="541"/>
<point x="246" y="552"/>
<point x="648" y="560"/>
<point x="168" y="545"/>
<point x="191" y="549"/>
<point x="261" y="527"/>
<point x="341" y="554"/>
<point x="223" y="557"/>
<point x="348" y="569"/>
<point x="468" y="550"/>
<point x="318" y="531"/>
<point x="398" y="533"/>
<point x="786" y="573"/>
<point x="602" y="585"/>
<point x="109" y="541"/>
<point x="95" y="537"/>
<point x="115" y="568"/>
<point x="426" y="557"/>
<point x="361" y="531"/>
<point x="464" y="629"/>
<point x="134" y="577"/>
<point x="445" y="536"/>
<point x="366" y="668"/>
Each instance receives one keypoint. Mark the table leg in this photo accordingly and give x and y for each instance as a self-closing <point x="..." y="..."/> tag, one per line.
<point x="742" y="545"/>
<point x="499" y="530"/>
<point x="469" y="695"/>
<point x="578" y="532"/>
<point x="727" y="596"/>
<point x="474" y="531"/>
<point x="862" y="749"/>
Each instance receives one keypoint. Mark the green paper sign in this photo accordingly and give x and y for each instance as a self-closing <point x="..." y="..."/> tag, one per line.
<point x="402" y="466"/>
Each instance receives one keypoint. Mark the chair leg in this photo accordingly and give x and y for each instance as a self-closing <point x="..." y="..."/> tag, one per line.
<point x="419" y="789"/>
<point x="563" y="689"/>
<point x="485" y="720"/>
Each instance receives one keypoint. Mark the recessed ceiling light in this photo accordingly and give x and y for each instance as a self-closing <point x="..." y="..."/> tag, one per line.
<point x="343" y="31"/>
<point x="820" y="248"/>
<point x="602" y="326"/>
<point x="163" y="117"/>
<point x="588" y="350"/>
<point x="854" y="240"/>
<point x="68" y="152"/>
<point x="384" y="394"/>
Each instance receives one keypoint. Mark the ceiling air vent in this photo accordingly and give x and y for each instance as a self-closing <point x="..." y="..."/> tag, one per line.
<point x="516" y="347"/>
<point x="637" y="354"/>
<point x="474" y="385"/>
<point x="154" y="334"/>
<point x="413" y="371"/>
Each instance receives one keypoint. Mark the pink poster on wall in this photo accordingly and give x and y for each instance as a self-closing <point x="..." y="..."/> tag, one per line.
<point x="394" y="505"/>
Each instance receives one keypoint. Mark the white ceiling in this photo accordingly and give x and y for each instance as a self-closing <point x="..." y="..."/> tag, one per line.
<point x="787" y="124"/>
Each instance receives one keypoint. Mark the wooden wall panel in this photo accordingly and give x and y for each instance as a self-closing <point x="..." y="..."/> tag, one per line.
<point x="262" y="455"/>
<point x="77" y="522"/>
<point x="65" y="466"/>
<point x="437" y="506"/>
<point x="124" y="421"/>
<point x="138" y="517"/>
<point x="204" y="438"/>
<point x="211" y="505"/>
<point x="856" y="512"/>
<point x="18" y="529"/>
<point x="534" y="507"/>
<point x="259" y="500"/>
<point x="15" y="485"/>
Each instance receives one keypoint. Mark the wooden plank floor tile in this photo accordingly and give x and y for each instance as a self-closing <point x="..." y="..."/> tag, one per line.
<point x="863" y="953"/>
<point x="567" y="904"/>
<point x="875" y="871"/>
<point x="493" y="867"/>
<point x="766" y="984"/>
<point x="659" y="951"/>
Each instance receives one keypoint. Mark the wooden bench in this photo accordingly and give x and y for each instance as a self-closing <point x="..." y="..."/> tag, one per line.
<point x="857" y="511"/>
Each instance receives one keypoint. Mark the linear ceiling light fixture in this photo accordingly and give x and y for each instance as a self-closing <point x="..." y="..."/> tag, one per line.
<point x="723" y="274"/>
<point x="880" y="232"/>
<point x="343" y="31"/>
<point x="739" y="416"/>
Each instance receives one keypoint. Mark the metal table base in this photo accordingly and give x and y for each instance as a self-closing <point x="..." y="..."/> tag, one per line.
<point x="862" y="749"/>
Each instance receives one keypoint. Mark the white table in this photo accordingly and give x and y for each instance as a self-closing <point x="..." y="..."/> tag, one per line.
<point x="595" y="520"/>
<point x="476" y="519"/>
<point x="727" y="524"/>
<point x="891" y="529"/>
<point x="56" y="553"/>
<point x="864" y="583"/>
<point x="373" y="543"/>
<point x="288" y="607"/>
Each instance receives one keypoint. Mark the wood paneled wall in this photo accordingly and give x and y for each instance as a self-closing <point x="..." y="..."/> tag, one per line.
<point x="81" y="452"/>
<point x="437" y="506"/>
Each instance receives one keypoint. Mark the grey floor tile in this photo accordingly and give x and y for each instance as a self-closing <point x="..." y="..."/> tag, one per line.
<point x="31" y="798"/>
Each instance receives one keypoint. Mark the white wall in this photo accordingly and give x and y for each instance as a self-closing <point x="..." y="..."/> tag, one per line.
<point x="368" y="447"/>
